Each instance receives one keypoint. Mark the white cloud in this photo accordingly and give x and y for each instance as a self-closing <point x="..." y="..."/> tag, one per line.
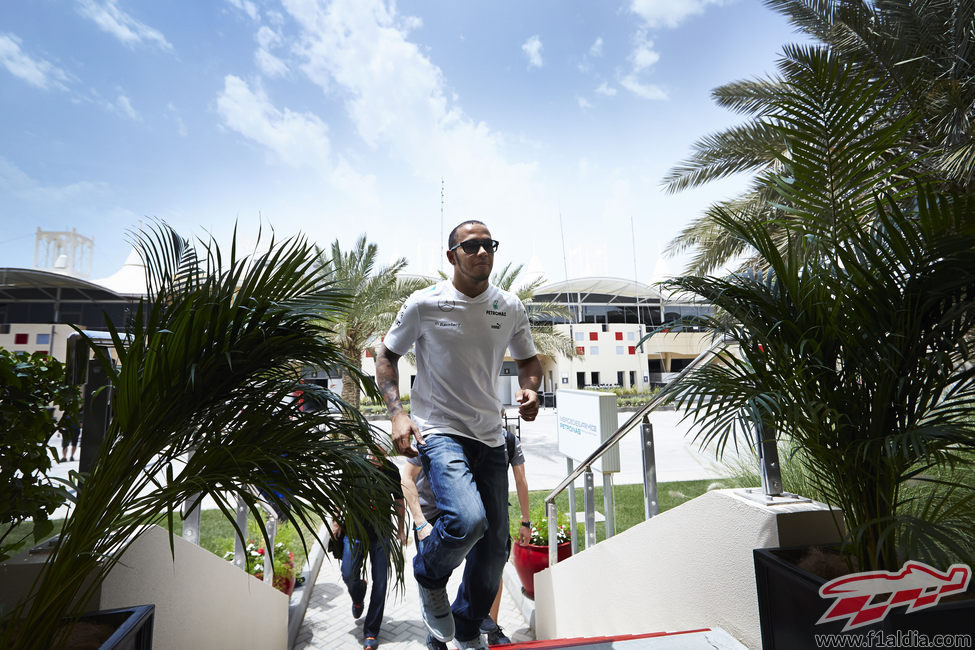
<point x="643" y="56"/>
<point x="399" y="103"/>
<point x="606" y="89"/>
<point x="642" y="59"/>
<point x="180" y="124"/>
<point x="583" y="102"/>
<point x="16" y="184"/>
<point x="107" y="15"/>
<point x="123" y="107"/>
<point x="296" y="139"/>
<point x="670" y="13"/>
<point x="533" y="49"/>
<point x="596" y="49"/>
<point x="37" y="72"/>
<point x="646" y="90"/>
<point x="268" y="62"/>
<point x="246" y="6"/>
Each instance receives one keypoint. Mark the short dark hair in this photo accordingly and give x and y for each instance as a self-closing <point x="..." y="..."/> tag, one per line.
<point x="452" y="237"/>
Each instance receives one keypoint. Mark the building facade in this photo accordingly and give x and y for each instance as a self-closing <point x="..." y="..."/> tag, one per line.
<point x="606" y="320"/>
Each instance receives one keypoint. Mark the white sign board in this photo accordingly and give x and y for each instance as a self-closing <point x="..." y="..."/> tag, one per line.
<point x="586" y="419"/>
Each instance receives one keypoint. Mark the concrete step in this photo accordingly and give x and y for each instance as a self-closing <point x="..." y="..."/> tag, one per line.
<point x="704" y="639"/>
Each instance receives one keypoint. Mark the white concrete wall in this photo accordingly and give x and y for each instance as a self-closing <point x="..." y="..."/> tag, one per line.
<point x="690" y="567"/>
<point x="32" y="330"/>
<point x="604" y="354"/>
<point x="202" y="601"/>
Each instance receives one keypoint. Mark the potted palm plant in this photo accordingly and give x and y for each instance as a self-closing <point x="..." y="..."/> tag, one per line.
<point x="853" y="329"/>
<point x="208" y="365"/>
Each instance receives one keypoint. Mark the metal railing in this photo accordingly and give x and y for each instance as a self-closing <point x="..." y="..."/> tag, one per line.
<point x="191" y="529"/>
<point x="649" y="466"/>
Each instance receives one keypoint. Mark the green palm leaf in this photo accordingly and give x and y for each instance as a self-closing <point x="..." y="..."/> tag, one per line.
<point x="207" y="367"/>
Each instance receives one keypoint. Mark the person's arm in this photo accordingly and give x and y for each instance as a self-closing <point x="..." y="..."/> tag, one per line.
<point x="401" y="522"/>
<point x="529" y="378"/>
<point x="408" y="482"/>
<point x="387" y="378"/>
<point x="521" y="485"/>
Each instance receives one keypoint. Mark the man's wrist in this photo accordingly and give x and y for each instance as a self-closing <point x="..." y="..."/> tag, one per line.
<point x="526" y="522"/>
<point x="396" y="411"/>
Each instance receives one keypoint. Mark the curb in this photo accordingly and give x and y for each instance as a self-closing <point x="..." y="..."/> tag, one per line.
<point x="302" y="595"/>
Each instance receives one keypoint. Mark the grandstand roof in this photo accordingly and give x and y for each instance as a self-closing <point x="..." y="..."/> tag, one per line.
<point x="602" y="285"/>
<point x="34" y="285"/>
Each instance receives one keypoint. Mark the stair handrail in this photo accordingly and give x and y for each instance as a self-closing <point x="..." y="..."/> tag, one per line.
<point x="719" y="344"/>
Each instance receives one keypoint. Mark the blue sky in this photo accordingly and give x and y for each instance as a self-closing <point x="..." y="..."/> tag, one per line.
<point x="338" y="118"/>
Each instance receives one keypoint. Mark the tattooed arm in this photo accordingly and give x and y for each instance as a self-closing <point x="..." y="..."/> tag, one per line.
<point x="387" y="377"/>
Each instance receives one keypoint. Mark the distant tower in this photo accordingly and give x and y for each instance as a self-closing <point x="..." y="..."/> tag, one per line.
<point x="63" y="252"/>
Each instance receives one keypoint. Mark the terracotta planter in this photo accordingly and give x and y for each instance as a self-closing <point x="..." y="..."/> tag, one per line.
<point x="529" y="559"/>
<point x="283" y="584"/>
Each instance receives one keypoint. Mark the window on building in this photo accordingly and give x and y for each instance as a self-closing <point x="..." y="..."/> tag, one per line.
<point x="632" y="378"/>
<point x="580" y="380"/>
<point x="580" y="336"/>
<point x="593" y="336"/>
<point x="655" y="365"/>
<point x="581" y="350"/>
<point x="594" y="313"/>
<point x="594" y="378"/>
<point x="632" y="349"/>
<point x="631" y="336"/>
<point x="21" y="339"/>
<point x="619" y="378"/>
<point x="74" y="318"/>
<point x="43" y="339"/>
<point x="593" y="349"/>
<point x="619" y="336"/>
<point x="619" y="349"/>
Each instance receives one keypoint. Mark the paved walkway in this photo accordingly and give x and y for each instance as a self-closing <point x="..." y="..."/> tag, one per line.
<point x="329" y="624"/>
<point x="328" y="621"/>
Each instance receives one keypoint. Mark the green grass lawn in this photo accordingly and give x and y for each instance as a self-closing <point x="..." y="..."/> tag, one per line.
<point x="629" y="503"/>
<point x="217" y="534"/>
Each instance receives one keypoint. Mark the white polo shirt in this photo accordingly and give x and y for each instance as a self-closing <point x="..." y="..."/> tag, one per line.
<point x="460" y="345"/>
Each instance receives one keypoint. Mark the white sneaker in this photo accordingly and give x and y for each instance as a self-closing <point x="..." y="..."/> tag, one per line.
<point x="435" y="609"/>
<point x="477" y="643"/>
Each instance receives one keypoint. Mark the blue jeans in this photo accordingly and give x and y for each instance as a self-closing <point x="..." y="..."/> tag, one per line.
<point x="470" y="484"/>
<point x="352" y="559"/>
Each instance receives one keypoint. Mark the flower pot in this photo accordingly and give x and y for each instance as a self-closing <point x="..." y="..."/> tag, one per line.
<point x="529" y="559"/>
<point x="789" y="606"/>
<point x="283" y="584"/>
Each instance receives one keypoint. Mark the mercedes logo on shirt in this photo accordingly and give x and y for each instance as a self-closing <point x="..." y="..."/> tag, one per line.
<point x="446" y="305"/>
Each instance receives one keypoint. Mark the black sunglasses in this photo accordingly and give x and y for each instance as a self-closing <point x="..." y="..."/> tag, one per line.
<point x="471" y="246"/>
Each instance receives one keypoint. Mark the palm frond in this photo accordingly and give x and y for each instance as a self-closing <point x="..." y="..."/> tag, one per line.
<point x="212" y="357"/>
